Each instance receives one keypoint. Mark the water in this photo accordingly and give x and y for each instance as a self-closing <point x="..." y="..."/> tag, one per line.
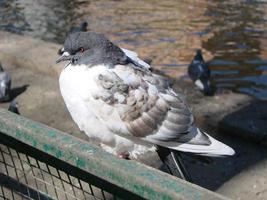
<point x="232" y="34"/>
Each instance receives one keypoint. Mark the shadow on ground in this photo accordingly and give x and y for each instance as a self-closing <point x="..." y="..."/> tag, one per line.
<point x="17" y="91"/>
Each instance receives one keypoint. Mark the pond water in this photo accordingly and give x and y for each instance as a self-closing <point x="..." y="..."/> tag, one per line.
<point x="232" y="34"/>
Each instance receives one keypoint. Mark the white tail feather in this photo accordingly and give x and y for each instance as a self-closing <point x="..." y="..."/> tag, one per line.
<point x="215" y="149"/>
<point x="199" y="84"/>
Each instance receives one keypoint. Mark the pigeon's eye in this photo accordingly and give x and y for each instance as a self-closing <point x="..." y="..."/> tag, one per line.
<point x="81" y="49"/>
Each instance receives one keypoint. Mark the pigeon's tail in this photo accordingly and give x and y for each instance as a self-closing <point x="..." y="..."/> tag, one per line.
<point x="209" y="147"/>
<point x="200" y="143"/>
<point x="172" y="160"/>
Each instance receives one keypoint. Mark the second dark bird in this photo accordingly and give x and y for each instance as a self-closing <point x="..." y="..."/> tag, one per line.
<point x="199" y="72"/>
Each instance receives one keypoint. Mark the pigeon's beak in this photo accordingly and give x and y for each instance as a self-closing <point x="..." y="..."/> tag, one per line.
<point x="65" y="56"/>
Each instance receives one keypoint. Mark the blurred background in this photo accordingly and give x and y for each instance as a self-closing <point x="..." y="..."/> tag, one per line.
<point x="232" y="34"/>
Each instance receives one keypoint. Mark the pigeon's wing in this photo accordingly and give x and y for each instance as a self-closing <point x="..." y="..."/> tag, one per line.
<point x="198" y="69"/>
<point x="193" y="70"/>
<point x="139" y="104"/>
<point x="134" y="56"/>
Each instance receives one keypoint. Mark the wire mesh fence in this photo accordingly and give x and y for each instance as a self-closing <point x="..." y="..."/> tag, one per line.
<point x="24" y="177"/>
<point x="39" y="162"/>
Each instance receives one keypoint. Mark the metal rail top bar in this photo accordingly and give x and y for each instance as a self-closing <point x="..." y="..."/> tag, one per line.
<point x="135" y="177"/>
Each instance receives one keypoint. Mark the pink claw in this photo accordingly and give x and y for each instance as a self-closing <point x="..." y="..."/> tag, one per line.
<point x="124" y="155"/>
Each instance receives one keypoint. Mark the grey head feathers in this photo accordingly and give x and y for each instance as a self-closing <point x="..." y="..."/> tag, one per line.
<point x="81" y="28"/>
<point x="91" y="49"/>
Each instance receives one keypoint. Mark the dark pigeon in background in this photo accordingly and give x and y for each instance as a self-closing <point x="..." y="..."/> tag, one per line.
<point x="13" y="107"/>
<point x="199" y="72"/>
<point x="5" y="85"/>
<point x="82" y="28"/>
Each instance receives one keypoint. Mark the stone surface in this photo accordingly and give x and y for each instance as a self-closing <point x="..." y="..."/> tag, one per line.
<point x="249" y="122"/>
<point x="31" y="63"/>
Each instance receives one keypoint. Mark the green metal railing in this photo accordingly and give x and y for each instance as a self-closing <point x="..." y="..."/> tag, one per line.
<point x="39" y="162"/>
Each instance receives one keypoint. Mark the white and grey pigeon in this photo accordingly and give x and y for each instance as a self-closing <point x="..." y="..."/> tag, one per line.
<point x="113" y="97"/>
<point x="199" y="72"/>
<point x="5" y="85"/>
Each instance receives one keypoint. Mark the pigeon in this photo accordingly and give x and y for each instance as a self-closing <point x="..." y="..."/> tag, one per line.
<point x="113" y="97"/>
<point x="5" y="84"/>
<point x="13" y="107"/>
<point x="82" y="27"/>
<point x="199" y="72"/>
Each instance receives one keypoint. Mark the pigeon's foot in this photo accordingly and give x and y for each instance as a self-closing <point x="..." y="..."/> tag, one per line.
<point x="124" y="155"/>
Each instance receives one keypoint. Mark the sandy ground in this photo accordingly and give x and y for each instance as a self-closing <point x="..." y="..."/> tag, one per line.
<point x="35" y="85"/>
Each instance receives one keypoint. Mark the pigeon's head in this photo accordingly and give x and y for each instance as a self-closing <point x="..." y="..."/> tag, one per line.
<point x="198" y="55"/>
<point x="82" y="47"/>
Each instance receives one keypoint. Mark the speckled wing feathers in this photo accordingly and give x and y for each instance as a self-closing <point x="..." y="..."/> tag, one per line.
<point x="150" y="108"/>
